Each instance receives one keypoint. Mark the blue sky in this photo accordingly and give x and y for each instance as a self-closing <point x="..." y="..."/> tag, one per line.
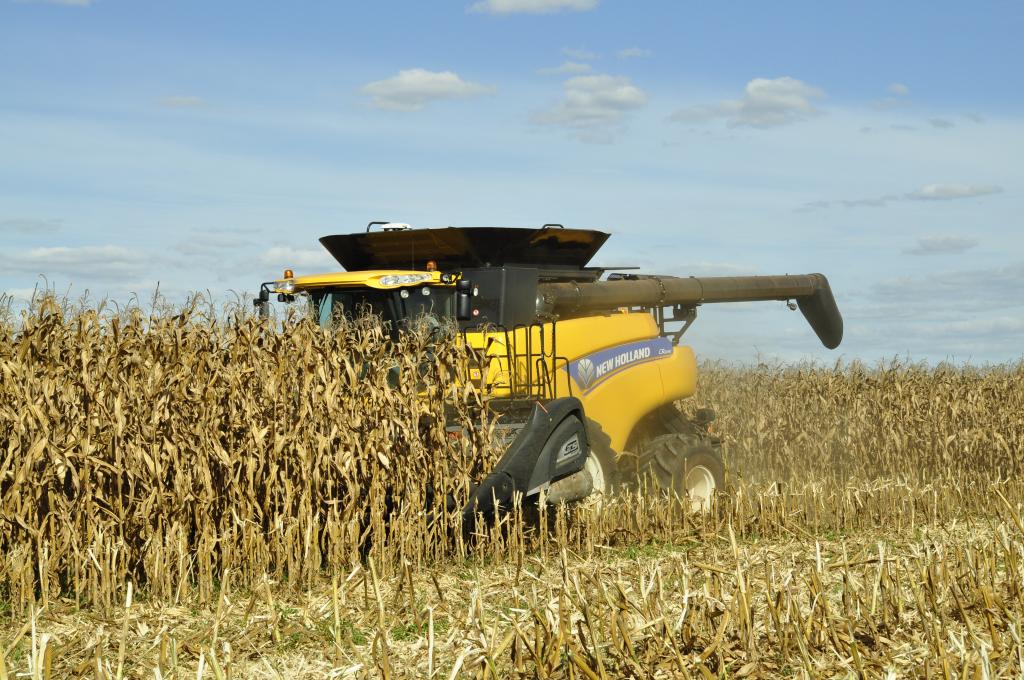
<point x="206" y="146"/>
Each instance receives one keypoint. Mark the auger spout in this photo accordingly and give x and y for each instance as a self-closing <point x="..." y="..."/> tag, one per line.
<point x="812" y="293"/>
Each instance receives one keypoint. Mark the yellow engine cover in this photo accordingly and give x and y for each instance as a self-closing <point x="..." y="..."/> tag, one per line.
<point x="616" y="364"/>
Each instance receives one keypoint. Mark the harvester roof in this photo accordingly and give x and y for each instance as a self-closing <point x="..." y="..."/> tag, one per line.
<point x="455" y="248"/>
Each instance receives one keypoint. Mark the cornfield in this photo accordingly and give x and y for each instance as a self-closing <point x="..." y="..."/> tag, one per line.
<point x="186" y="493"/>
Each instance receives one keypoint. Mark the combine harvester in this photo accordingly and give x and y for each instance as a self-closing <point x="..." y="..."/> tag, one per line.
<point x="582" y="367"/>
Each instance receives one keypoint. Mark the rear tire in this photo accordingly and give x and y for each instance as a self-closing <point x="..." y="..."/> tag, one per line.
<point x="683" y="466"/>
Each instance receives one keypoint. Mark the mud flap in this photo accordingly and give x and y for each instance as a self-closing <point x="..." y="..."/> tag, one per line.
<point x="552" y="445"/>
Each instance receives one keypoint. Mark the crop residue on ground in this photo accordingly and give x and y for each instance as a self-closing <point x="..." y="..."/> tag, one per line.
<point x="183" y="494"/>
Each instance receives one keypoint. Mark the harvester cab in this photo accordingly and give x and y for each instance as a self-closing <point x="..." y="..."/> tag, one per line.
<point x="583" y="366"/>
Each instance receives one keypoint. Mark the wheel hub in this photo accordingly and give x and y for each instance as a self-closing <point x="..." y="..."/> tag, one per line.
<point x="597" y="478"/>
<point x="700" y="487"/>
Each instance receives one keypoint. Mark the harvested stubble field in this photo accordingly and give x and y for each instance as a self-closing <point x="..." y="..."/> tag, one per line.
<point x="184" y="495"/>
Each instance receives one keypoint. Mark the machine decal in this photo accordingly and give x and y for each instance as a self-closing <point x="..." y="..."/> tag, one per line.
<point x="593" y="369"/>
<point x="569" y="450"/>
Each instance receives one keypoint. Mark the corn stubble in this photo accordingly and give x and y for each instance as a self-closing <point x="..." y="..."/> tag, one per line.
<point x="184" y="494"/>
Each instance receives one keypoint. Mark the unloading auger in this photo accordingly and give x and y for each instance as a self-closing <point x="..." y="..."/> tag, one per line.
<point x="583" y="364"/>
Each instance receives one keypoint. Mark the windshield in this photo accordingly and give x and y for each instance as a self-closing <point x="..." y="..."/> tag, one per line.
<point x="396" y="307"/>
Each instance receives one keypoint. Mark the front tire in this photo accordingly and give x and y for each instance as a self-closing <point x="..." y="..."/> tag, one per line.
<point x="602" y="473"/>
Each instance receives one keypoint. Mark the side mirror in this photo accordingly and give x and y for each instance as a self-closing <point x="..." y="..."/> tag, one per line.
<point x="464" y="300"/>
<point x="262" y="303"/>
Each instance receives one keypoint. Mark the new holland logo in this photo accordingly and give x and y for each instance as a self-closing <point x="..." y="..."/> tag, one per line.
<point x="591" y="370"/>
<point x="586" y="372"/>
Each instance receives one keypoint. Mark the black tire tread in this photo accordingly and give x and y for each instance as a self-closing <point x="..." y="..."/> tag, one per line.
<point x="664" y="460"/>
<point x="671" y="440"/>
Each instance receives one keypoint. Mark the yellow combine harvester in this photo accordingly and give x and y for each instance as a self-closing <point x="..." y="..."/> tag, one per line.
<point x="580" y="362"/>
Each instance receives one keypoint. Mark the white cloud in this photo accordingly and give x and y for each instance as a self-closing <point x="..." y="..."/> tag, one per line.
<point x="931" y="192"/>
<point x="91" y="262"/>
<point x="182" y="102"/>
<point x="634" y="53"/>
<point x="212" y="245"/>
<point x="29" y="225"/>
<point x="313" y="259"/>
<point x="579" y="53"/>
<point x="1000" y="325"/>
<point x="706" y="268"/>
<point x="532" y="6"/>
<point x="941" y="123"/>
<point x="899" y="93"/>
<point x="565" y="69"/>
<point x="878" y="202"/>
<point x="941" y="313"/>
<point x="948" y="192"/>
<point x="766" y="102"/>
<point x="889" y="103"/>
<point x="412" y="89"/>
<point x="942" y="245"/>
<point x="594" y="106"/>
<point x="977" y="289"/>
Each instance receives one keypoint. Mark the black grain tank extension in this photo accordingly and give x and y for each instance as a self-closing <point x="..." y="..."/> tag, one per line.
<point x="470" y="247"/>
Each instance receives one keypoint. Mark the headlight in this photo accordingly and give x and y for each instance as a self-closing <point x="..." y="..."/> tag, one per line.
<point x="287" y="287"/>
<point x="403" y="279"/>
